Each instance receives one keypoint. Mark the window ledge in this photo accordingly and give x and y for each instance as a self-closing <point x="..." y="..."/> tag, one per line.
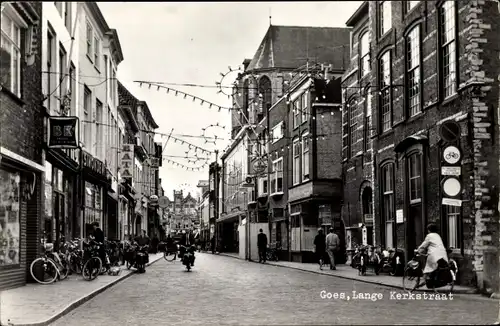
<point x="98" y="69"/>
<point x="90" y="59"/>
<point x="415" y="117"/>
<point x="278" y="193"/>
<point x="13" y="96"/>
<point x="385" y="35"/>
<point x="263" y="195"/>
<point x="449" y="99"/>
<point x="386" y="133"/>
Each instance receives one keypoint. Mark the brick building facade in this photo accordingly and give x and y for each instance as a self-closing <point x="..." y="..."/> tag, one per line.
<point x="430" y="65"/>
<point x="21" y="167"/>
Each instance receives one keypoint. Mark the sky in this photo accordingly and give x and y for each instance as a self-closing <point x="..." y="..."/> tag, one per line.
<point x="194" y="43"/>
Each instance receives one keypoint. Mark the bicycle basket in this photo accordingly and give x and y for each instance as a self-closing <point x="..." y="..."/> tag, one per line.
<point x="413" y="264"/>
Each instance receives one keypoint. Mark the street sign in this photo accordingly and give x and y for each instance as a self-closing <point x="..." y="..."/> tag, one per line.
<point x="452" y="202"/>
<point x="449" y="131"/>
<point x="63" y="132"/>
<point x="163" y="202"/>
<point x="399" y="216"/>
<point x="451" y="155"/>
<point x="451" y="170"/>
<point x="452" y="186"/>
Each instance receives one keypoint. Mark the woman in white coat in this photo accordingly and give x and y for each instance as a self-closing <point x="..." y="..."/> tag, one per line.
<point x="434" y="248"/>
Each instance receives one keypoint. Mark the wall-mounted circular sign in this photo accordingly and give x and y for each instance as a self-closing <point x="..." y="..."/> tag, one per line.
<point x="451" y="155"/>
<point x="452" y="187"/>
<point x="450" y="131"/>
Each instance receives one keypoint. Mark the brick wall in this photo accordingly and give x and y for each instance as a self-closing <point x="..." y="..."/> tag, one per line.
<point x="477" y="32"/>
<point x="329" y="142"/>
<point x="483" y="37"/>
<point x="24" y="114"/>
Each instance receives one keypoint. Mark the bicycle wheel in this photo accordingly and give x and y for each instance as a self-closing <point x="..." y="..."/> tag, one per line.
<point x="75" y="264"/>
<point x="170" y="255"/>
<point x="91" y="268"/>
<point x="43" y="270"/>
<point x="64" y="271"/>
<point x="410" y="282"/>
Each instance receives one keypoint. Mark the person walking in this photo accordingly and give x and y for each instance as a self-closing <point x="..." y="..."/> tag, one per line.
<point x="262" y="246"/>
<point x="332" y="247"/>
<point x="212" y="244"/>
<point x="320" y="246"/>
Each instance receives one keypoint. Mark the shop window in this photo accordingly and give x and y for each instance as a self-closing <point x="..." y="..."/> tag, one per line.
<point x="453" y="222"/>
<point x="10" y="231"/>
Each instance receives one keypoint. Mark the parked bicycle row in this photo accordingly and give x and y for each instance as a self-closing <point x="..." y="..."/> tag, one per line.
<point x="88" y="258"/>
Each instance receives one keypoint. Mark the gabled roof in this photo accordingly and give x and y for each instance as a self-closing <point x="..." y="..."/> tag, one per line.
<point x="291" y="47"/>
<point x="126" y="98"/>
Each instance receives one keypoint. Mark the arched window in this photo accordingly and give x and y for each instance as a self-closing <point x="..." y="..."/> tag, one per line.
<point x="265" y="92"/>
<point x="364" y="54"/>
<point x="387" y="203"/>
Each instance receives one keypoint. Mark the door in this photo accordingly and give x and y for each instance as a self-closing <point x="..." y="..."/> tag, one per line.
<point x="278" y="233"/>
<point x="415" y="229"/>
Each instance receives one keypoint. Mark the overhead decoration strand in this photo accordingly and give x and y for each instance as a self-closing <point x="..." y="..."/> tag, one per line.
<point x="185" y="95"/>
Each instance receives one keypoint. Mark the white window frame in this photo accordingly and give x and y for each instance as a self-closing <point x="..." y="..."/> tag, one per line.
<point x="296" y="168"/>
<point x="304" y="100"/>
<point x="296" y="112"/>
<point x="385" y="17"/>
<point x="87" y="114"/>
<point x="364" y="53"/>
<point x="261" y="186"/>
<point x="97" y="52"/>
<point x="19" y="23"/>
<point x="275" y="175"/>
<point x="90" y="40"/>
<point x="448" y="27"/>
<point x="385" y="81"/>
<point x="453" y="214"/>
<point x="306" y="154"/>
<point x="388" y="193"/>
<point x="413" y="74"/>
<point x="279" y="127"/>
<point x="409" y="5"/>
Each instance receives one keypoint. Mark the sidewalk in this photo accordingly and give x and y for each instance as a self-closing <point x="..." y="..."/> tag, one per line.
<point x="347" y="272"/>
<point x="37" y="304"/>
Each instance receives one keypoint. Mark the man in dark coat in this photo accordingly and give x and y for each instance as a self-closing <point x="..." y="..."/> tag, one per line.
<point x="212" y="243"/>
<point x="98" y="235"/>
<point x="262" y="245"/>
<point x="320" y="246"/>
<point x="187" y="241"/>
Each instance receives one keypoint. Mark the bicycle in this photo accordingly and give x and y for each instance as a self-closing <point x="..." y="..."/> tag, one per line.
<point x="170" y="254"/>
<point x="414" y="272"/>
<point x="51" y="264"/>
<point x="92" y="265"/>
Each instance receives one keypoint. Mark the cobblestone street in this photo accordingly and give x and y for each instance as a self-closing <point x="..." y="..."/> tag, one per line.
<point x="224" y="290"/>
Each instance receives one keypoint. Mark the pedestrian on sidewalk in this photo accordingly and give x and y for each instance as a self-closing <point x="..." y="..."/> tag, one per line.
<point x="98" y="235"/>
<point x="320" y="246"/>
<point x="332" y="247"/>
<point x="262" y="246"/>
<point x="212" y="243"/>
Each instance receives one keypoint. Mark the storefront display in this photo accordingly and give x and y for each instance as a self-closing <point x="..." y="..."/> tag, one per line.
<point x="93" y="206"/>
<point x="9" y="217"/>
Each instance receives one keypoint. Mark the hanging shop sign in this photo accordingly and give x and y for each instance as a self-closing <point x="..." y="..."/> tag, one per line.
<point x="451" y="155"/>
<point x="63" y="132"/>
<point x="163" y="202"/>
<point x="94" y="164"/>
<point x="127" y="161"/>
<point x="154" y="162"/>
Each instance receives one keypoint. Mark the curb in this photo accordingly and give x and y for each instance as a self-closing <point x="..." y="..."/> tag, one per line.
<point x="82" y="300"/>
<point x="471" y="291"/>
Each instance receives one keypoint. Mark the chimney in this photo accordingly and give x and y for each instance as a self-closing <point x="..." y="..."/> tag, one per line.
<point x="246" y="62"/>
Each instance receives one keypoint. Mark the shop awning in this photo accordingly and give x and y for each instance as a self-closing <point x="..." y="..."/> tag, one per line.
<point x="231" y="216"/>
